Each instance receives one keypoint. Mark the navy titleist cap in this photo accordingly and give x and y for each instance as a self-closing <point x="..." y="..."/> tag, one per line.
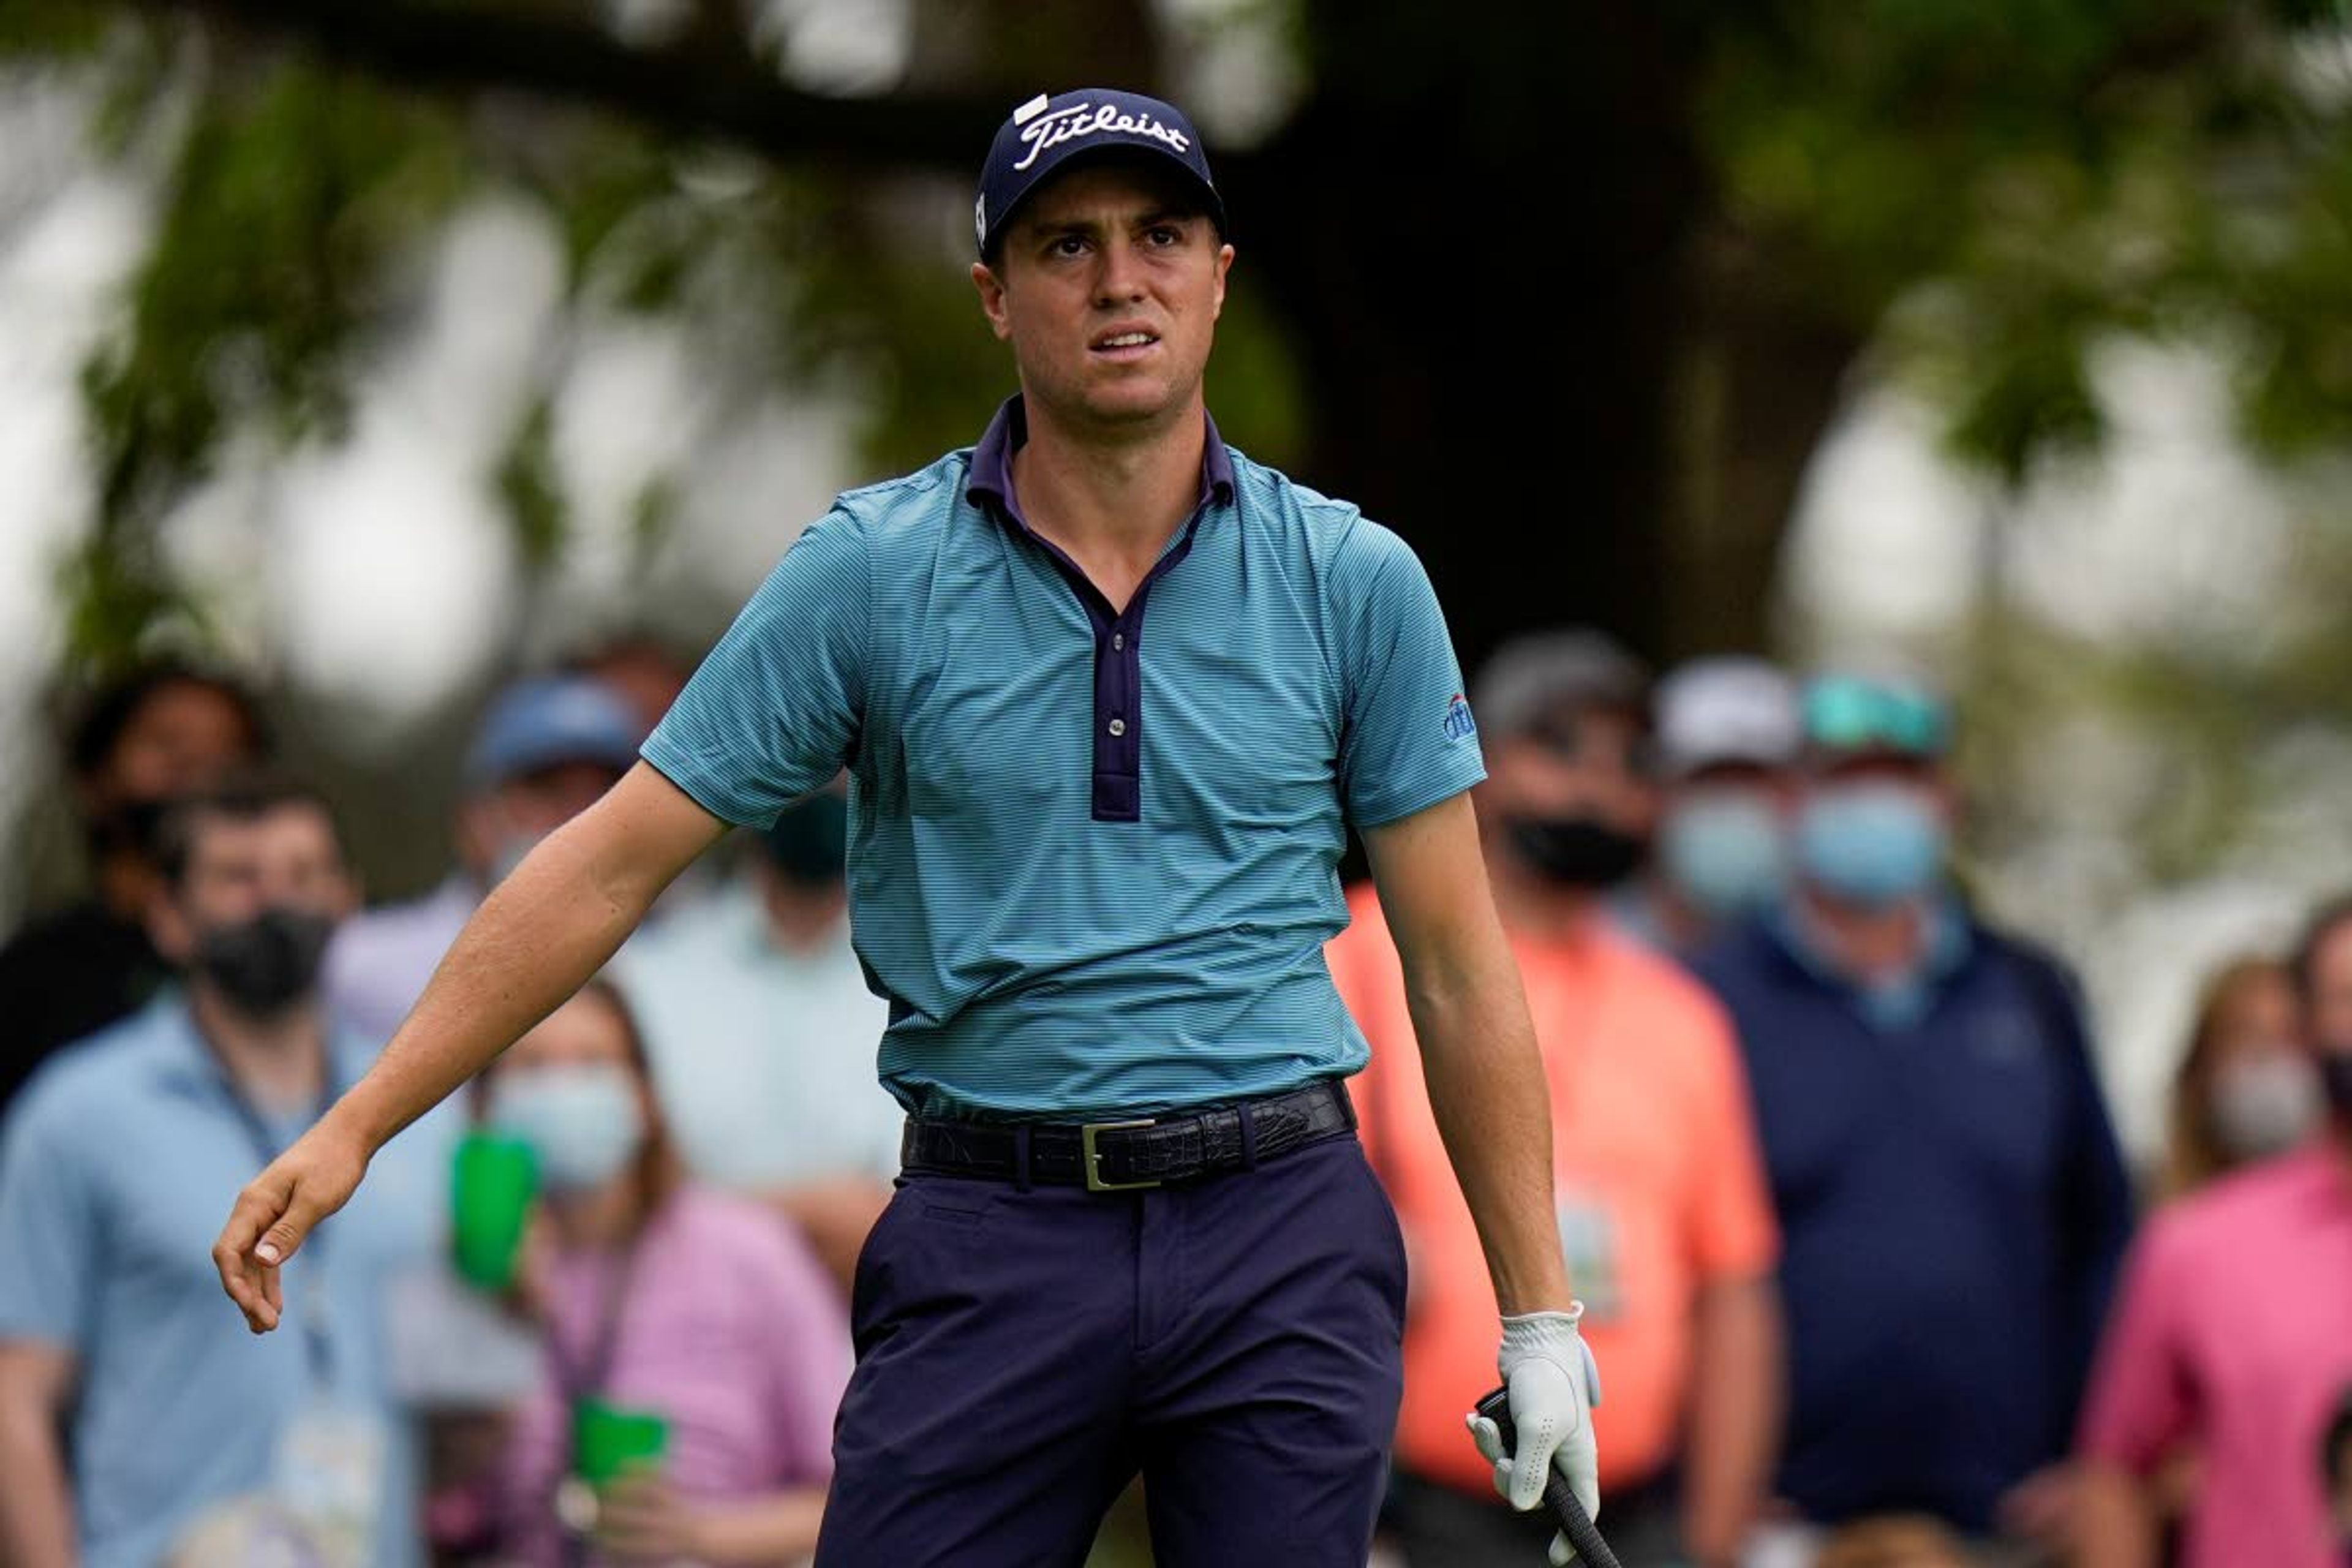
<point x="1047" y="132"/>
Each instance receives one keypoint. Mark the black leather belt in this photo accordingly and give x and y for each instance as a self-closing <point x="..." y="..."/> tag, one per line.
<point x="1115" y="1156"/>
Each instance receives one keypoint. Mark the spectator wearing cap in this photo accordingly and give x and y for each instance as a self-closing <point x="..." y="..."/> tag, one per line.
<point x="1658" y="1190"/>
<point x="139" y="743"/>
<point x="546" y="748"/>
<point x="762" y="1032"/>
<point x="1726" y="750"/>
<point x="2233" y="1337"/>
<point x="1952" y="1203"/>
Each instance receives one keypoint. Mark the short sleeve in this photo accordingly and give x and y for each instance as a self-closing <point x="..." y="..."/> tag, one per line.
<point x="50" y="1237"/>
<point x="774" y="711"/>
<point x="1733" y="1235"/>
<point x="1408" y="740"/>
<point x="2141" y="1400"/>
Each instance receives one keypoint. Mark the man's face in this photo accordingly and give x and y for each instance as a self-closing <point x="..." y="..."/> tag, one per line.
<point x="1107" y="286"/>
<point x="1922" y="779"/>
<point x="286" y="857"/>
<point x="183" y="736"/>
<point x="496" y="827"/>
<point x="1585" y="764"/>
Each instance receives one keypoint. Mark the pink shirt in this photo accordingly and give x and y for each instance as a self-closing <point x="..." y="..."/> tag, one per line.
<point x="2233" y="1334"/>
<point x="729" y="1327"/>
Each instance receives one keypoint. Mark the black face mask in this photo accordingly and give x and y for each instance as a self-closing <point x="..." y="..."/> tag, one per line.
<point x="2336" y="1076"/>
<point x="1575" y="851"/>
<point x="269" y="963"/>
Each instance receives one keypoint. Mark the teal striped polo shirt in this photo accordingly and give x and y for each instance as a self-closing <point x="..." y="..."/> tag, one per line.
<point x="1094" y="850"/>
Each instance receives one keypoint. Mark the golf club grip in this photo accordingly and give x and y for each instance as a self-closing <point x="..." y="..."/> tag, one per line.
<point x="1574" y="1523"/>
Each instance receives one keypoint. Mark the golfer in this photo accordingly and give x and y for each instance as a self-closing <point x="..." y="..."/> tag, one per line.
<point x="1109" y="696"/>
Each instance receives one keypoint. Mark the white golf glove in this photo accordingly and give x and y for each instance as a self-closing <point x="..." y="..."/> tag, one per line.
<point x="1554" y="1385"/>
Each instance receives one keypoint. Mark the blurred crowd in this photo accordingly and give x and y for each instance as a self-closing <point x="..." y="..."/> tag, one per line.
<point x="1870" y="1281"/>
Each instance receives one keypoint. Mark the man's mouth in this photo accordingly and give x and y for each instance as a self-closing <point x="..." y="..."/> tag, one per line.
<point x="1131" y="340"/>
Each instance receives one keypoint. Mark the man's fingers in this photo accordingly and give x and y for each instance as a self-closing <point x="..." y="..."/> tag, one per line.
<point x="1538" y="1435"/>
<point x="1560" y="1552"/>
<point x="1489" y="1438"/>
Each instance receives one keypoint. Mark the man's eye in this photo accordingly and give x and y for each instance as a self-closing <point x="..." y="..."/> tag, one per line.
<point x="1068" y="245"/>
<point x="1164" y="235"/>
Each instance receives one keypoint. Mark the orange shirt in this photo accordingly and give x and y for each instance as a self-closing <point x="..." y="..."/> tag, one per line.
<point x="1659" y="1182"/>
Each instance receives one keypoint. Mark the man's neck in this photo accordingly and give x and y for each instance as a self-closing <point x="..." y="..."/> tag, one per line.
<point x="1870" y="946"/>
<point x="1117" y="497"/>
<point x="1533" y="906"/>
<point x="280" y="1062"/>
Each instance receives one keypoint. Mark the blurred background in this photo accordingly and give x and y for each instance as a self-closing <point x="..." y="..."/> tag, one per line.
<point x="384" y="349"/>
<point x="382" y="353"/>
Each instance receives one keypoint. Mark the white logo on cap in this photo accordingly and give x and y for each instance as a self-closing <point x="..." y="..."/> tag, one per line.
<point x="980" y="219"/>
<point x="1086" y="119"/>
<point x="1031" y="109"/>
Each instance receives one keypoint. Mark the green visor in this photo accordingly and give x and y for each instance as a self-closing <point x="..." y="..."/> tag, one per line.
<point x="1854" y="713"/>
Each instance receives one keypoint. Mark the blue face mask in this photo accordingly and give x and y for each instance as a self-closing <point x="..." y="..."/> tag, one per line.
<point x="1871" y="844"/>
<point x="1725" y="852"/>
<point x="580" y="1119"/>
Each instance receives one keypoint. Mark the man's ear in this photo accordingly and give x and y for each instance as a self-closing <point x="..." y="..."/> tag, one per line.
<point x="992" y="299"/>
<point x="1224" y="266"/>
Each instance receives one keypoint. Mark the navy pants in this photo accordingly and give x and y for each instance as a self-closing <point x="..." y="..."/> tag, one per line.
<point x="1022" y="1354"/>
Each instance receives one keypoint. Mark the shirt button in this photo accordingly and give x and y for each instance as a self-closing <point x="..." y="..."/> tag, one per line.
<point x="1118" y="642"/>
<point x="1118" y="726"/>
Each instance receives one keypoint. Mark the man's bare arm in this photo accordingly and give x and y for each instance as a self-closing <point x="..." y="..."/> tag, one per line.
<point x="538" y="938"/>
<point x="1734" y="1415"/>
<point x="1479" y="1051"/>
<point x="36" y="1527"/>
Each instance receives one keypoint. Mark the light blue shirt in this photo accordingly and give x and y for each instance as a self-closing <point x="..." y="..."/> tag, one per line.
<point x="764" y="1059"/>
<point x="119" y="1163"/>
<point x="1093" y="850"/>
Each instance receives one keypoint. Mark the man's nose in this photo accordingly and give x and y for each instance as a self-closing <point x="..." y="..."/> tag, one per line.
<point x="1121" y="278"/>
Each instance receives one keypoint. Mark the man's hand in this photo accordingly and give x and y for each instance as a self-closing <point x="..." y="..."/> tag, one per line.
<point x="276" y="1210"/>
<point x="1548" y="1368"/>
<point x="640" y="1517"/>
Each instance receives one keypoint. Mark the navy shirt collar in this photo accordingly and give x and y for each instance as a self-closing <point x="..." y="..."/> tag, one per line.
<point x="991" y="462"/>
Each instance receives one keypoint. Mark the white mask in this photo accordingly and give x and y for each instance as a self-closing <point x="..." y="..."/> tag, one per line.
<point x="580" y="1119"/>
<point x="2264" y="1102"/>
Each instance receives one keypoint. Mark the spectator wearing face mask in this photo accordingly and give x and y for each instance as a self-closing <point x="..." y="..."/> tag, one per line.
<point x="660" y="1296"/>
<point x="2245" y="1088"/>
<point x="1951" y="1199"/>
<point x="179" y="1426"/>
<point x="1726" y="749"/>
<point x="140" y="742"/>
<point x="1657" y="1189"/>
<point x="546" y="749"/>
<point x="762" y="1032"/>
<point x="2233" y="1336"/>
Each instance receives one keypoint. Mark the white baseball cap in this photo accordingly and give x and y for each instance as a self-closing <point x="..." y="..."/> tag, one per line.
<point x="1727" y="709"/>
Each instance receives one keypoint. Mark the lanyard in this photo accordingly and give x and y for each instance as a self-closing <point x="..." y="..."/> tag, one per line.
<point x="310" y="1302"/>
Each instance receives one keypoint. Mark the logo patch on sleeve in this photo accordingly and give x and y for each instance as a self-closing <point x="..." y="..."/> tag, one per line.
<point x="1459" y="722"/>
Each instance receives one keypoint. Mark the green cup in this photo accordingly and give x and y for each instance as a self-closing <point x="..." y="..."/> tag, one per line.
<point x="609" y="1439"/>
<point x="490" y="1195"/>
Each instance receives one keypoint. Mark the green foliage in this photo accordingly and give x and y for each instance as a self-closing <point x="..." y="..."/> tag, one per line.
<point x="2059" y="171"/>
<point x="290" y="190"/>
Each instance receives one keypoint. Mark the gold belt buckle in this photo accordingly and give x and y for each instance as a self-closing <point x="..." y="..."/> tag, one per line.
<point x="1095" y="1183"/>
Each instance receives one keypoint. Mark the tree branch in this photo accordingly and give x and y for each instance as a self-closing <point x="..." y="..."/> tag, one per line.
<point x="685" y="88"/>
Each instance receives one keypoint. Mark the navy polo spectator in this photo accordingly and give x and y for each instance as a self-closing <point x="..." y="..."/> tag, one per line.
<point x="1951" y="1199"/>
